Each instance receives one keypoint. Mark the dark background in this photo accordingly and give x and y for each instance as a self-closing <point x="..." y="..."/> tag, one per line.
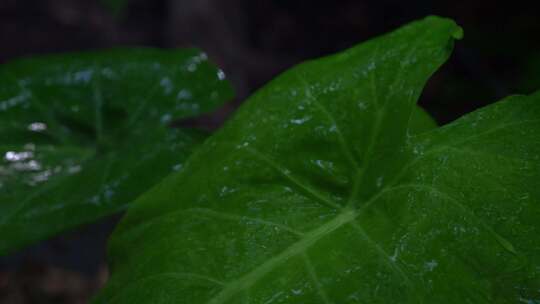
<point x="253" y="41"/>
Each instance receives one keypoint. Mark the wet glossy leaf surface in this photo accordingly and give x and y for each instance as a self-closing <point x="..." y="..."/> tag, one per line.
<point x="81" y="135"/>
<point x="319" y="191"/>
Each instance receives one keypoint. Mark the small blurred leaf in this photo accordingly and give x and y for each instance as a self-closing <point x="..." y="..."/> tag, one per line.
<point x="82" y="135"/>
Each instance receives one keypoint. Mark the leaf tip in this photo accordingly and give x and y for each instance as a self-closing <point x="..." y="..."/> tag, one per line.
<point x="458" y="32"/>
<point x="455" y="30"/>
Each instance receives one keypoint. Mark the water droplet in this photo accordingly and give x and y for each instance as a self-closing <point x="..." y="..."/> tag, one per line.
<point x="242" y="145"/>
<point x="203" y="56"/>
<point x="221" y="75"/>
<point x="74" y="169"/>
<point x="107" y="72"/>
<point x="37" y="127"/>
<point x="226" y="190"/>
<point x="83" y="76"/>
<point x="184" y="94"/>
<point x="34" y="165"/>
<point x="324" y="165"/>
<point x="296" y="291"/>
<point x="94" y="200"/>
<point x="300" y="121"/>
<point x="362" y="105"/>
<point x="418" y="150"/>
<point x="192" y="67"/>
<point x="429" y="266"/>
<point x="41" y="177"/>
<point x="525" y="196"/>
<point x="380" y="181"/>
<point x="108" y="194"/>
<point x="394" y="256"/>
<point x="14" y="101"/>
<point x="167" y="85"/>
<point x="12" y="156"/>
<point x="166" y="118"/>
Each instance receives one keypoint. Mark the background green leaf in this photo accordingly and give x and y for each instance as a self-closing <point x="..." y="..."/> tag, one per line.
<point x="318" y="191"/>
<point x="421" y="121"/>
<point x="81" y="135"/>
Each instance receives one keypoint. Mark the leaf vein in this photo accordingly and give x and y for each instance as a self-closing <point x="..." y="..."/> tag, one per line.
<point x="348" y="152"/>
<point x="506" y="244"/>
<point x="315" y="278"/>
<point x="286" y="173"/>
<point x="390" y="262"/>
<point x="230" y="216"/>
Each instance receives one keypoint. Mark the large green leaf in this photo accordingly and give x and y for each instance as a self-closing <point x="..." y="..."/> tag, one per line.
<point x="318" y="192"/>
<point x="82" y="135"/>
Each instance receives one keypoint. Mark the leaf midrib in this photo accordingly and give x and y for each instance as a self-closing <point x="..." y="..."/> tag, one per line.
<point x="310" y="238"/>
<point x="346" y="215"/>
